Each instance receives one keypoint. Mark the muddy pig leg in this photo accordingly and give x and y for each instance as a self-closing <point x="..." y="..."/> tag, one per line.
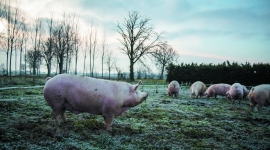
<point x="252" y="106"/>
<point x="56" y="118"/>
<point x="259" y="108"/>
<point x="63" y="116"/>
<point x="108" y="122"/>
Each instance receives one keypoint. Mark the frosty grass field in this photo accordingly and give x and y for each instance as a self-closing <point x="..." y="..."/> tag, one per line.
<point x="161" y="122"/>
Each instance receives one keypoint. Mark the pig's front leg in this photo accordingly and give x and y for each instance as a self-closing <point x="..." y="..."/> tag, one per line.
<point x="108" y="122"/>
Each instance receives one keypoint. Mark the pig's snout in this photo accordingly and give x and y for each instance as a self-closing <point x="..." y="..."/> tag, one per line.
<point x="145" y="96"/>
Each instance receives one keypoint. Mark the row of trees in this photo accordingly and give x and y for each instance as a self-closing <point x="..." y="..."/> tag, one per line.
<point x="48" y="40"/>
<point x="226" y="72"/>
<point x="59" y="42"/>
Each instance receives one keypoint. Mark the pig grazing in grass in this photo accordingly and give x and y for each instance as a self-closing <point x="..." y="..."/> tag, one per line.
<point x="217" y="89"/>
<point x="173" y="89"/>
<point x="198" y="88"/>
<point x="79" y="94"/>
<point x="236" y="92"/>
<point x="259" y="95"/>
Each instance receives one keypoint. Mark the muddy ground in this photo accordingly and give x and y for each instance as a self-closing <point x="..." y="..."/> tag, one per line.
<point x="161" y="122"/>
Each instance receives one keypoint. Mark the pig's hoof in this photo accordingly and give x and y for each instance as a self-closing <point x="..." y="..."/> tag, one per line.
<point x="109" y="129"/>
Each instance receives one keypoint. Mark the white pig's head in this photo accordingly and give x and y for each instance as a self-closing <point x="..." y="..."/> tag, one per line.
<point x="138" y="95"/>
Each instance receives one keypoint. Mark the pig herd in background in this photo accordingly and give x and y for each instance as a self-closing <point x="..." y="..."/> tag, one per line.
<point x="257" y="95"/>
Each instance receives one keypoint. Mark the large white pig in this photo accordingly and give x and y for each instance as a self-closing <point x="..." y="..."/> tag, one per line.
<point x="198" y="88"/>
<point x="173" y="88"/>
<point x="259" y="95"/>
<point x="79" y="94"/>
<point x="236" y="92"/>
<point x="217" y="89"/>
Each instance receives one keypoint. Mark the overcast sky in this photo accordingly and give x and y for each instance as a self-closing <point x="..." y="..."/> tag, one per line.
<point x="202" y="31"/>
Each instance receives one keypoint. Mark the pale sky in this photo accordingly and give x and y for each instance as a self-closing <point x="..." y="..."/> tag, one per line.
<point x="202" y="31"/>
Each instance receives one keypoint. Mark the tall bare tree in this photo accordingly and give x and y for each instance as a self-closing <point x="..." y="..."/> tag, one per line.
<point x="77" y="44"/>
<point x="92" y="45"/>
<point x="163" y="55"/>
<point x="36" y="45"/>
<point x="84" y="52"/>
<point x="22" y="46"/>
<point x="94" y="52"/>
<point x="137" y="38"/>
<point x="110" y="61"/>
<point x="47" y="50"/>
<point x="103" y="51"/>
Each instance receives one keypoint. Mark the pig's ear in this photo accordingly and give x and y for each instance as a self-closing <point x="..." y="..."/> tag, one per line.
<point x="134" y="87"/>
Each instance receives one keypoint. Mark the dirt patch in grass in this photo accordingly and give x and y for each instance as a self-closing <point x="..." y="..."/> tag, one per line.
<point x="161" y="122"/>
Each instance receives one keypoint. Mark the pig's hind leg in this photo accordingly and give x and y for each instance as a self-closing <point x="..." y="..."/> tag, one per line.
<point x="108" y="122"/>
<point x="56" y="117"/>
<point x="63" y="116"/>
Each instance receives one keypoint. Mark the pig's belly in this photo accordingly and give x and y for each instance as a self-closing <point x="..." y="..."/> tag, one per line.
<point x="77" y="110"/>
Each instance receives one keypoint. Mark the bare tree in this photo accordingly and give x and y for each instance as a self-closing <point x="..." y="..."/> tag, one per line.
<point x="163" y="55"/>
<point x="32" y="58"/>
<point x="137" y="38"/>
<point x="94" y="53"/>
<point x="103" y="51"/>
<point x="92" y="44"/>
<point x="110" y="61"/>
<point x="22" y="46"/>
<point x="77" y="43"/>
<point x="47" y="47"/>
<point x="85" y="49"/>
<point x="10" y="16"/>
<point x="36" y="45"/>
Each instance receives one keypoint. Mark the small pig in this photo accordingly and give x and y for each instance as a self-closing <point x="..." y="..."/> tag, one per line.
<point x="217" y="89"/>
<point x="79" y="94"/>
<point x="198" y="88"/>
<point x="236" y="92"/>
<point x="245" y="91"/>
<point x="173" y="89"/>
<point x="259" y="95"/>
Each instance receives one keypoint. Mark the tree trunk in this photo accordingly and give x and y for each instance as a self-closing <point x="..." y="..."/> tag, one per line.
<point x="131" y="69"/>
<point x="21" y="62"/>
<point x="10" y="61"/>
<point x="49" y="70"/>
<point x="162" y="71"/>
<point x="61" y="65"/>
<point x="7" y="63"/>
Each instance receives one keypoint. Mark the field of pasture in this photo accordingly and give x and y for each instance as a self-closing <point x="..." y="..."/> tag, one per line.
<point x="161" y="122"/>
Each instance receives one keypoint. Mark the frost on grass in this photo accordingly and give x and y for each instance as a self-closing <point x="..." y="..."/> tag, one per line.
<point x="160" y="122"/>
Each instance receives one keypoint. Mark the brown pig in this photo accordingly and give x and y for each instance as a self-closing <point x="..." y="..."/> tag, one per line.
<point x="198" y="88"/>
<point x="236" y="92"/>
<point x="79" y="94"/>
<point x="173" y="88"/>
<point x="217" y="89"/>
<point x="259" y="95"/>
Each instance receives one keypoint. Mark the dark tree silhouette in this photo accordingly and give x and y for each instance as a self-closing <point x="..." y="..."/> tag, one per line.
<point x="137" y="38"/>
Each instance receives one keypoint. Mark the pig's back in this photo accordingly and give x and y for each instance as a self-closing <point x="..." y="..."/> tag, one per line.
<point x="221" y="88"/>
<point x="82" y="94"/>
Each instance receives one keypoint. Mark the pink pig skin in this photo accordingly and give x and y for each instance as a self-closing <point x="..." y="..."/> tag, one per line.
<point x="236" y="92"/>
<point x="80" y="94"/>
<point x="173" y="88"/>
<point x="217" y="89"/>
<point x="198" y="88"/>
<point x="259" y="95"/>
